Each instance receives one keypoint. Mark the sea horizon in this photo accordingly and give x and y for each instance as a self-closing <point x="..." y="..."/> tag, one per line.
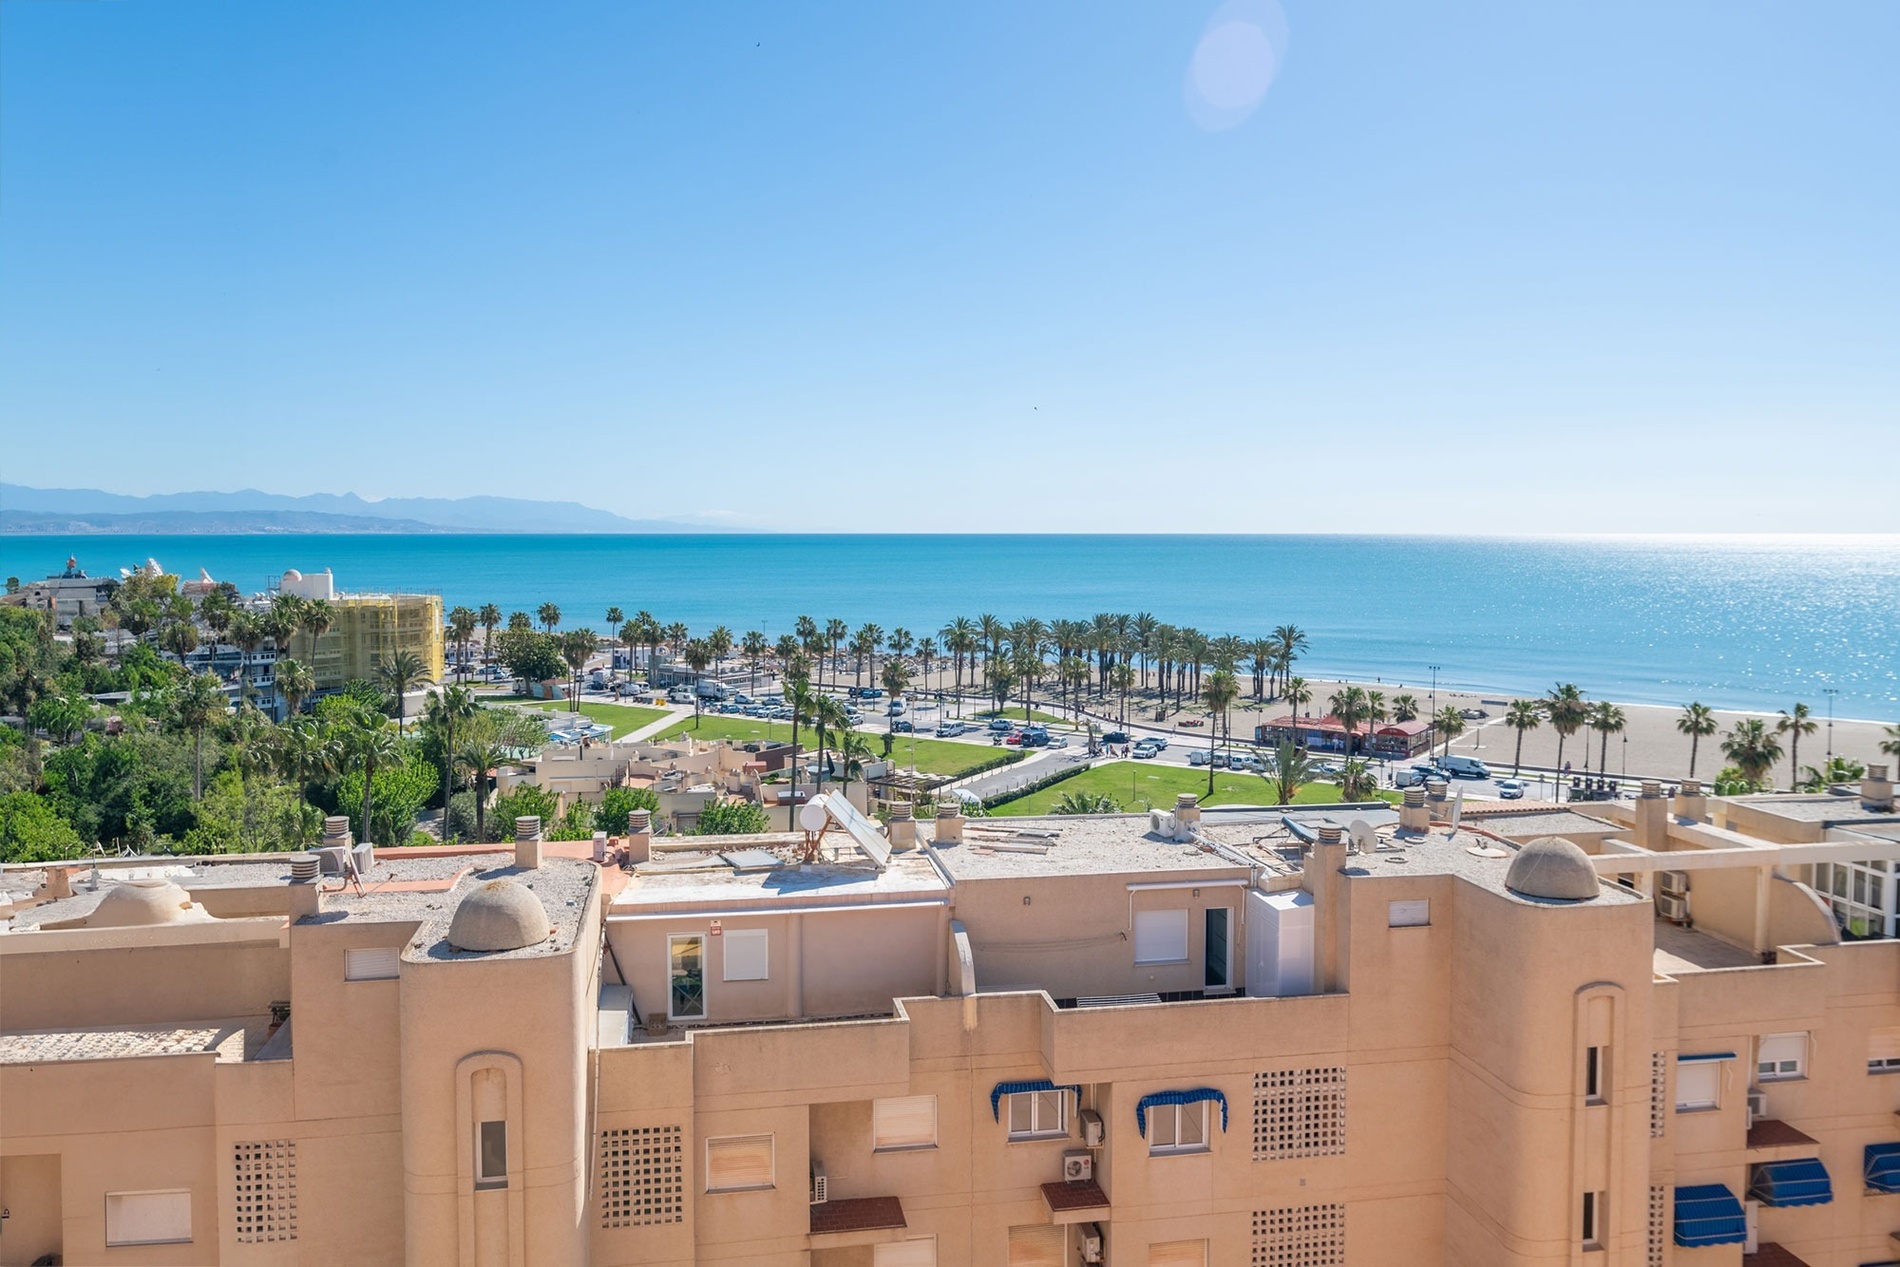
<point x="1741" y="621"/>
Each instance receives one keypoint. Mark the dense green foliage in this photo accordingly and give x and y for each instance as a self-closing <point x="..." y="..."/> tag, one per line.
<point x="730" y="818"/>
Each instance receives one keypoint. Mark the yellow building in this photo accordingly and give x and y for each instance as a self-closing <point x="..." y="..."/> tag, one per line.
<point x="1257" y="1038"/>
<point x="370" y="628"/>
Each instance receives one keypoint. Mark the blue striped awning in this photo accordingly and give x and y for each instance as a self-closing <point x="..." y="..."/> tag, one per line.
<point x="1690" y="1058"/>
<point x="1002" y="1089"/>
<point x="1803" y="1181"/>
<point x="1709" y="1214"/>
<point x="1196" y="1096"/>
<point x="1883" y="1167"/>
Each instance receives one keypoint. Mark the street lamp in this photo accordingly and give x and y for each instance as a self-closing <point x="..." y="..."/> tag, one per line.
<point x="1830" y="692"/>
<point x="1434" y="669"/>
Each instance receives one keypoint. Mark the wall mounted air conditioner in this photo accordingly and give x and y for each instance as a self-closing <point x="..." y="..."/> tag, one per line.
<point x="819" y="1195"/>
<point x="1078" y="1166"/>
<point x="1091" y="1128"/>
<point x="1673" y="881"/>
<point x="1091" y="1242"/>
<point x="1674" y="907"/>
<point x="1161" y="823"/>
<point x="1757" y="1105"/>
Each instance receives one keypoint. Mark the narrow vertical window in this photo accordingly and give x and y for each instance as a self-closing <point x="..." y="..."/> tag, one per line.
<point x="1593" y="1075"/>
<point x="686" y="995"/>
<point x="491" y="1155"/>
<point x="1593" y="1220"/>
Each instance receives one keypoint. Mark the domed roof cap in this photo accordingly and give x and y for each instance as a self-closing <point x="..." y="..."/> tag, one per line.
<point x="141" y="903"/>
<point x="499" y="914"/>
<point x="1554" y="870"/>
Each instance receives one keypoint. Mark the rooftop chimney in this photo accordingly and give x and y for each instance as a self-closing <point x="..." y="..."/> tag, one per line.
<point x="902" y="828"/>
<point x="528" y="842"/>
<point x="949" y="823"/>
<point x="1876" y="789"/>
<point x="1328" y="887"/>
<point x="1413" y="816"/>
<point x="1652" y="818"/>
<point x="1187" y="815"/>
<point x="1691" y="801"/>
<point x="639" y="835"/>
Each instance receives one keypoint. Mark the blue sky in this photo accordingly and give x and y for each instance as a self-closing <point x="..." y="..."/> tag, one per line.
<point x="1460" y="267"/>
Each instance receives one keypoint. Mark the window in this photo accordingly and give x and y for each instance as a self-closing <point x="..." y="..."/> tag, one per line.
<point x="1177" y="1128"/>
<point x="1883" y="1051"/>
<point x="1593" y="1220"/>
<point x="1410" y="913"/>
<point x="1038" y="1245"/>
<point x="1178" y="1254"/>
<point x="1595" y="1075"/>
<point x="1698" y="1085"/>
<point x="265" y="1207"/>
<point x="746" y="954"/>
<point x="1781" y="1056"/>
<point x="371" y="963"/>
<point x="736" y="1163"/>
<point x="1034" y="1114"/>
<point x="642" y="1176"/>
<point x="491" y="1155"/>
<point x="1300" y="1236"/>
<point x="1299" y="1113"/>
<point x="1161" y="936"/>
<point x="148" y="1218"/>
<point x="906" y="1122"/>
<point x="686" y="990"/>
<point x="921" y="1252"/>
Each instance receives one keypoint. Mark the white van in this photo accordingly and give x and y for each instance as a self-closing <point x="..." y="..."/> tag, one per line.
<point x="679" y="695"/>
<point x="1465" y="767"/>
<point x="711" y="690"/>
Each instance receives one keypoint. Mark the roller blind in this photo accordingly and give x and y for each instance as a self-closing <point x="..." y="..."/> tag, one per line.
<point x="1409" y="913"/>
<point x="918" y="1253"/>
<point x="1038" y="1246"/>
<point x="908" y="1121"/>
<point x="1884" y="1044"/>
<point x="1161" y="936"/>
<point x="1782" y="1055"/>
<point x="746" y="954"/>
<point x="738" y="1161"/>
<point x="1178" y="1254"/>
<point x="148" y="1218"/>
<point x="1699" y="1085"/>
<point x="371" y="963"/>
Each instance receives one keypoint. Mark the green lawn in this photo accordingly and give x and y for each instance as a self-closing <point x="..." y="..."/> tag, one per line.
<point x="932" y="756"/>
<point x="1141" y="785"/>
<point x="1015" y="713"/>
<point x="622" y="717"/>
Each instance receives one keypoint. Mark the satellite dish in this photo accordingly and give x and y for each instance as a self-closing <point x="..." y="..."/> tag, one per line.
<point x="1457" y="811"/>
<point x="812" y="815"/>
<point x="1364" y="839"/>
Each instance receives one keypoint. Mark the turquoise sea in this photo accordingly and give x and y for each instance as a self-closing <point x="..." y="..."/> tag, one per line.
<point x="1733" y="622"/>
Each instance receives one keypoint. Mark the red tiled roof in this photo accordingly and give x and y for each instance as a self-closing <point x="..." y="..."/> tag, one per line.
<point x="1770" y="1133"/>
<point x="859" y="1214"/>
<point x="1333" y="725"/>
<point x="1074" y="1196"/>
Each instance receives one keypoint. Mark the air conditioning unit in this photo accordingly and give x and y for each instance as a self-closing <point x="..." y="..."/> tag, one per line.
<point x="1674" y="907"/>
<point x="1078" y="1166"/>
<point x="1091" y="1242"/>
<point x="1161" y="823"/>
<point x="1673" y="881"/>
<point x="1757" y="1105"/>
<point x="819" y="1193"/>
<point x="1091" y="1128"/>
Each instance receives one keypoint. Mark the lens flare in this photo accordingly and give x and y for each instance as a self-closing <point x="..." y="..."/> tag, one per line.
<point x="1235" y="62"/>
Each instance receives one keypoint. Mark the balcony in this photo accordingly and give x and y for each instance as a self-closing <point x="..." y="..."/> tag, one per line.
<point x="1768" y="1132"/>
<point x="855" y="1221"/>
<point x="1772" y="1255"/>
<point x="1074" y="1202"/>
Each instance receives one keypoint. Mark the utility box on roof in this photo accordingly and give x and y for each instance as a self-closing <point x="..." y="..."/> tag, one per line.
<point x="1279" y="943"/>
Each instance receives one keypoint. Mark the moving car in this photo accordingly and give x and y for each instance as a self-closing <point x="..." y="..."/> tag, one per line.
<point x="1198" y="757"/>
<point x="1465" y="767"/>
<point x="1145" y="751"/>
<point x="949" y="729"/>
<point x="905" y="727"/>
<point x="1117" y="736"/>
<point x="1511" y="789"/>
<point x="1001" y="726"/>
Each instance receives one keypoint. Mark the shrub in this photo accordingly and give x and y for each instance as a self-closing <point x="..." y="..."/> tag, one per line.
<point x="31" y="832"/>
<point x="618" y="803"/>
<point x="526" y="799"/>
<point x="727" y="817"/>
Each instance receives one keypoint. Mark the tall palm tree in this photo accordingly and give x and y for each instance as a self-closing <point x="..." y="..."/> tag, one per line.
<point x="1698" y="722"/>
<point x="1143" y="628"/>
<point x="1349" y="706"/>
<point x="247" y="635"/>
<point x="836" y="631"/>
<point x="478" y="758"/>
<point x="677" y="636"/>
<point x="754" y="648"/>
<point x="719" y="642"/>
<point x="1752" y="748"/>
<point x="577" y="648"/>
<point x="490" y="618"/>
<point x="615" y="617"/>
<point x="1606" y="719"/>
<point x="198" y="702"/>
<point x="698" y="655"/>
<point x="1298" y="695"/>
<point x="1565" y="709"/>
<point x="1450" y="725"/>
<point x="1794" y="725"/>
<point x="1290" y="641"/>
<point x="1522" y="715"/>
<point x="1073" y="674"/>
<point x="549" y="614"/>
<point x="1219" y="693"/>
<point x="926" y="652"/>
<point x="1123" y="680"/>
<point x="368" y="744"/>
<point x="462" y="630"/>
<point x="798" y="695"/>
<point x="854" y="752"/>
<point x="896" y="679"/>
<point x="297" y="682"/>
<point x="1262" y="651"/>
<point x="1890" y="742"/>
<point x="1404" y="707"/>
<point x="827" y="717"/>
<point x="398" y="674"/>
<point x="444" y="713"/>
<point x="960" y="640"/>
<point x="307" y="753"/>
<point x="629" y="632"/>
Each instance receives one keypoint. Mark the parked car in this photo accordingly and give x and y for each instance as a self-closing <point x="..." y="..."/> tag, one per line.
<point x="1465" y="767"/>
<point x="1116" y="737"/>
<point x="1193" y="721"/>
<point x="741" y="698"/>
<point x="904" y="727"/>
<point x="868" y="692"/>
<point x="1197" y="757"/>
<point x="1473" y="714"/>
<point x="1014" y="739"/>
<point x="896" y="708"/>
<point x="1159" y="741"/>
<point x="853" y="716"/>
<point x="1511" y="789"/>
<point x="1145" y="752"/>
<point x="680" y="695"/>
<point x="1001" y="726"/>
<point x="949" y="729"/>
<point x="1246" y="761"/>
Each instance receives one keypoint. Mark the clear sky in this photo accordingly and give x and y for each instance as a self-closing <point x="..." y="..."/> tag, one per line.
<point x="1333" y="266"/>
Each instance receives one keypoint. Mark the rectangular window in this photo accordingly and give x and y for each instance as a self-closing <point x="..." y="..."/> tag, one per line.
<point x="737" y="1163"/>
<point x="1883" y="1050"/>
<point x="908" y="1121"/>
<point x="148" y="1218"/>
<point x="1177" y="1128"/>
<point x="1698" y="1085"/>
<point x="491" y="1155"/>
<point x="1178" y="1254"/>
<point x="1781" y="1056"/>
<point x="1038" y="1114"/>
<point x="1593" y="1220"/>
<point x="918" y="1253"/>
<point x="1038" y="1245"/>
<point x="1410" y="913"/>
<point x="686" y="969"/>
<point x="1594" y="1080"/>
<point x="746" y="954"/>
<point x="1161" y="936"/>
<point x="371" y="963"/>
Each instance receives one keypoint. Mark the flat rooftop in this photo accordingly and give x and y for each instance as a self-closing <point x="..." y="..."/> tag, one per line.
<point x="1818" y="807"/>
<point x="563" y="886"/>
<point x="684" y="882"/>
<point x="1680" y="950"/>
<point x="1072" y="845"/>
<point x="236" y="1040"/>
<point x="1528" y="824"/>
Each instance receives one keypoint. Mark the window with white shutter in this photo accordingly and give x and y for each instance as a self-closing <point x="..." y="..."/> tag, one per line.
<point x="371" y="963"/>
<point x="1781" y="1056"/>
<point x="746" y="954"/>
<point x="1409" y="913"/>
<point x="1161" y="936"/>
<point x="908" y="1121"/>
<point x="148" y="1218"/>
<point x="1178" y="1254"/>
<point x="1698" y="1085"/>
<point x="1038" y="1246"/>
<point x="735" y="1163"/>
<point x="918" y="1253"/>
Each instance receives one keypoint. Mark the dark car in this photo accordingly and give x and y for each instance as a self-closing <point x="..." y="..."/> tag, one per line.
<point x="1115" y="736"/>
<point x="904" y="727"/>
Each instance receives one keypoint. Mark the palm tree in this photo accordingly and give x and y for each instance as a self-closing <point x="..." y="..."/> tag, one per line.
<point x="577" y="648"/>
<point x="462" y="630"/>
<point x="1073" y="673"/>
<point x="1606" y="719"/>
<point x="615" y="617"/>
<point x="1450" y="725"/>
<point x="1219" y="694"/>
<point x="197" y="703"/>
<point x="798" y="694"/>
<point x="1752" y="748"/>
<point x="247" y="635"/>
<point x="1298" y="694"/>
<point x="490" y="618"/>
<point x="297" y="682"/>
<point x="443" y="712"/>
<point x="896" y="679"/>
<point x="478" y="758"/>
<point x="854" y="751"/>
<point x="698" y="654"/>
<point x="1404" y="707"/>
<point x="1289" y="642"/>
<point x="629" y="633"/>
<point x="1890" y="745"/>
<point x="926" y="652"/>
<point x="1698" y="722"/>
<point x="1086" y="803"/>
<point x="960" y="640"/>
<point x="549" y="614"/>
<point x="836" y="631"/>
<point x="1522" y="715"/>
<point x="677" y="635"/>
<point x="1292" y="770"/>
<point x="1566" y="711"/>
<point x="1123" y="680"/>
<point x="719" y="642"/>
<point x="754" y="648"/>
<point x="827" y="717"/>
<point x="368" y="742"/>
<point x="1262" y="651"/>
<point x="307" y="752"/>
<point x="401" y="671"/>
<point x="1794" y="725"/>
<point x="1349" y="705"/>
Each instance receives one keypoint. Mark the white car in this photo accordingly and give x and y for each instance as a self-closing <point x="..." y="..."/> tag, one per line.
<point x="1198" y="756"/>
<point x="1511" y="789"/>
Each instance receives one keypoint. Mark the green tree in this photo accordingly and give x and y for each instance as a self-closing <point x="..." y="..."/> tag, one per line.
<point x="1292" y="770"/>
<point x="490" y="618"/>
<point x="367" y="743"/>
<point x="62" y="717"/>
<point x="754" y="648"/>
<point x="398" y="674"/>
<point x="1219" y="694"/>
<point x="445" y="713"/>
<point x="462" y="624"/>
<point x="1085" y="803"/>
<point x="1405" y="707"/>
<point x="1698" y="722"/>
<point x="297" y="682"/>
<point x="1357" y="782"/>
<point x="1350" y="707"/>
<point x="698" y="655"/>
<point x="1606" y="719"/>
<point x="1566" y="711"/>
<point x="1890" y="742"/>
<point x="1753" y="748"/>
<point x="316" y="619"/>
<point x="550" y="616"/>
<point x="1522" y="715"/>
<point x="308" y="752"/>
<point x="1298" y="695"/>
<point x="480" y="757"/>
<point x="1450" y="725"/>
<point x="533" y="657"/>
<point x="727" y="816"/>
<point x="577" y="647"/>
<point x="1794" y="725"/>
<point x="617" y="805"/>
<point x="30" y="831"/>
<point x="198" y="703"/>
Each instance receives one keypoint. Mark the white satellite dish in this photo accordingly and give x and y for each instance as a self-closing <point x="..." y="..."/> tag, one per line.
<point x="1457" y="811"/>
<point x="812" y="815"/>
<point x="1364" y="839"/>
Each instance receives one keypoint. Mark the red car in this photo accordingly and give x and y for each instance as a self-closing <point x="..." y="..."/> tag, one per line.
<point x="1014" y="738"/>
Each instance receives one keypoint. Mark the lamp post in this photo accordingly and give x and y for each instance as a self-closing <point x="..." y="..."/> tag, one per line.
<point x="1434" y="669"/>
<point x="1830" y="692"/>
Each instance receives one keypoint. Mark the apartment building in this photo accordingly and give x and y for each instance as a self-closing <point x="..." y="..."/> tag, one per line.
<point x="1272" y="1038"/>
<point x="366" y="630"/>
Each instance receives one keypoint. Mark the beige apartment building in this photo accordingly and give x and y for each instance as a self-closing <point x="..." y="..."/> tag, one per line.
<point x="1260" y="1038"/>
<point x="366" y="630"/>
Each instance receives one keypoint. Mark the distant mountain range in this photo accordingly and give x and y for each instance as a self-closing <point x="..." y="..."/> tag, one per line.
<point x="88" y="510"/>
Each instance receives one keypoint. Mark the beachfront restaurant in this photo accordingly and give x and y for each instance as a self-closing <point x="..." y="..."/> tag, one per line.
<point x="1393" y="740"/>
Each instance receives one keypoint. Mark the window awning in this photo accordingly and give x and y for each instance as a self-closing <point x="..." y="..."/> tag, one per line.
<point x="1195" y="1096"/>
<point x="1883" y="1167"/>
<point x="1002" y="1089"/>
<point x="1802" y="1181"/>
<point x="1686" y="1058"/>
<point x="1709" y="1214"/>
